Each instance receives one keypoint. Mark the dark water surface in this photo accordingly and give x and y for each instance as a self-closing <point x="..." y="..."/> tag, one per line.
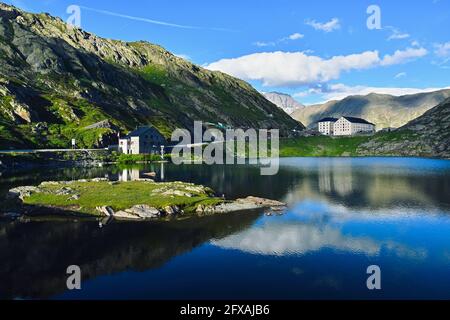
<point x="344" y="215"/>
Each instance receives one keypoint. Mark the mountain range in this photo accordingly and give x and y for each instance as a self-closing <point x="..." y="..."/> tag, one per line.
<point x="284" y="101"/>
<point x="386" y="111"/>
<point x="58" y="82"/>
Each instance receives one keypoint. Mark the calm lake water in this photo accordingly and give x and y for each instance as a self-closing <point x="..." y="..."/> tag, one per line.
<point x="344" y="215"/>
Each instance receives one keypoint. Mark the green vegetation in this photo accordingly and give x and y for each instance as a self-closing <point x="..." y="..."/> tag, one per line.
<point x="155" y="74"/>
<point x="136" y="158"/>
<point x="395" y="136"/>
<point x="67" y="119"/>
<point x="324" y="146"/>
<point x="321" y="146"/>
<point x="121" y="196"/>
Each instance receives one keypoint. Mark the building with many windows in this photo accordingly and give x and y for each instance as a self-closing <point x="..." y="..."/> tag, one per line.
<point x="326" y="126"/>
<point x="345" y="126"/>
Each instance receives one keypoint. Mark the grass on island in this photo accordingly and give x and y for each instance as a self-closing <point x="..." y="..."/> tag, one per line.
<point x="120" y="196"/>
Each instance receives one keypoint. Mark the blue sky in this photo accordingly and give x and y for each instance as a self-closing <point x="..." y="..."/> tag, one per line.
<point x="314" y="50"/>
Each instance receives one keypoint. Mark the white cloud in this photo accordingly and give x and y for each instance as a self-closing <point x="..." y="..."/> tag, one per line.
<point x="292" y="37"/>
<point x="442" y="49"/>
<point x="264" y="44"/>
<point x="329" y="26"/>
<point x="296" y="36"/>
<point x="402" y="56"/>
<point x="302" y="238"/>
<point x="397" y="34"/>
<point x="298" y="68"/>
<point x="400" y="75"/>
<point x="340" y="91"/>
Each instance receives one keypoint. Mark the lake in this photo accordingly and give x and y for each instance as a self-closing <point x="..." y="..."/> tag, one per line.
<point x="344" y="214"/>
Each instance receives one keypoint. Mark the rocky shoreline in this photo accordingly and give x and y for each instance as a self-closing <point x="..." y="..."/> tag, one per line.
<point x="158" y="201"/>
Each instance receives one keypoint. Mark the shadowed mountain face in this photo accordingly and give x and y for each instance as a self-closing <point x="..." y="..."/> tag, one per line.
<point x="385" y="111"/>
<point x="428" y="135"/>
<point x="284" y="101"/>
<point x="56" y="80"/>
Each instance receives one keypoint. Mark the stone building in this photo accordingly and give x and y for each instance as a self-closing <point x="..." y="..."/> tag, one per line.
<point x="143" y="140"/>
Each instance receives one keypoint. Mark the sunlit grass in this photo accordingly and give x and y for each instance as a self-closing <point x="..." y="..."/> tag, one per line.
<point x="119" y="196"/>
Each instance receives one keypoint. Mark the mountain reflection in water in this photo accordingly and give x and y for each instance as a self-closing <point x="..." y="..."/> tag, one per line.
<point x="344" y="215"/>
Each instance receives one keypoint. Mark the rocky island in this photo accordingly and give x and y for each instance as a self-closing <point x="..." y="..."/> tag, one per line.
<point x="135" y="200"/>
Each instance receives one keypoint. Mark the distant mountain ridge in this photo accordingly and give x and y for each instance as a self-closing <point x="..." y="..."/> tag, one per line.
<point x="385" y="111"/>
<point x="284" y="101"/>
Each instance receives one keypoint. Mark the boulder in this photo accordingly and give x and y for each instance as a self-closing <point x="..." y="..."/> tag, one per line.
<point x="65" y="191"/>
<point x="49" y="183"/>
<point x="126" y="215"/>
<point x="262" y="202"/>
<point x="74" y="197"/>
<point x="244" y="204"/>
<point x="22" y="192"/>
<point x="172" y="210"/>
<point x="177" y="193"/>
<point x="106" y="211"/>
<point x="144" y="211"/>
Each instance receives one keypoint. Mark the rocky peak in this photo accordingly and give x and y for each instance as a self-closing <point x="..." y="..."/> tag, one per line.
<point x="284" y="101"/>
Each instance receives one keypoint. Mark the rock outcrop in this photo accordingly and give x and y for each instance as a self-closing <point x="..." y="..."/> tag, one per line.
<point x="249" y="203"/>
<point x="426" y="136"/>
<point x="284" y="102"/>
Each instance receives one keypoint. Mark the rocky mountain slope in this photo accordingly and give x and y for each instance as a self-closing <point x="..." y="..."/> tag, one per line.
<point x="385" y="111"/>
<point x="428" y="135"/>
<point x="284" y="101"/>
<point x="56" y="80"/>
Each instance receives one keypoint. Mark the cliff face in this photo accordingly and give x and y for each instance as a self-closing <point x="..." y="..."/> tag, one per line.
<point x="55" y="80"/>
<point x="284" y="101"/>
<point x="428" y="135"/>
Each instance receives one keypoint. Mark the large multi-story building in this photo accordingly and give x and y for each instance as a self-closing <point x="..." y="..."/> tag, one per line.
<point x="326" y="126"/>
<point x="345" y="126"/>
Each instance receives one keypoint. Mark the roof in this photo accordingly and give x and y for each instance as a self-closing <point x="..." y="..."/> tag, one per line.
<point x="328" y="120"/>
<point x="357" y="120"/>
<point x="140" y="131"/>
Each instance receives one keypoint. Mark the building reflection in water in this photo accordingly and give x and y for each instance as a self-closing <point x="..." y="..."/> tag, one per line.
<point x="333" y="179"/>
<point x="134" y="173"/>
<point x="129" y="174"/>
